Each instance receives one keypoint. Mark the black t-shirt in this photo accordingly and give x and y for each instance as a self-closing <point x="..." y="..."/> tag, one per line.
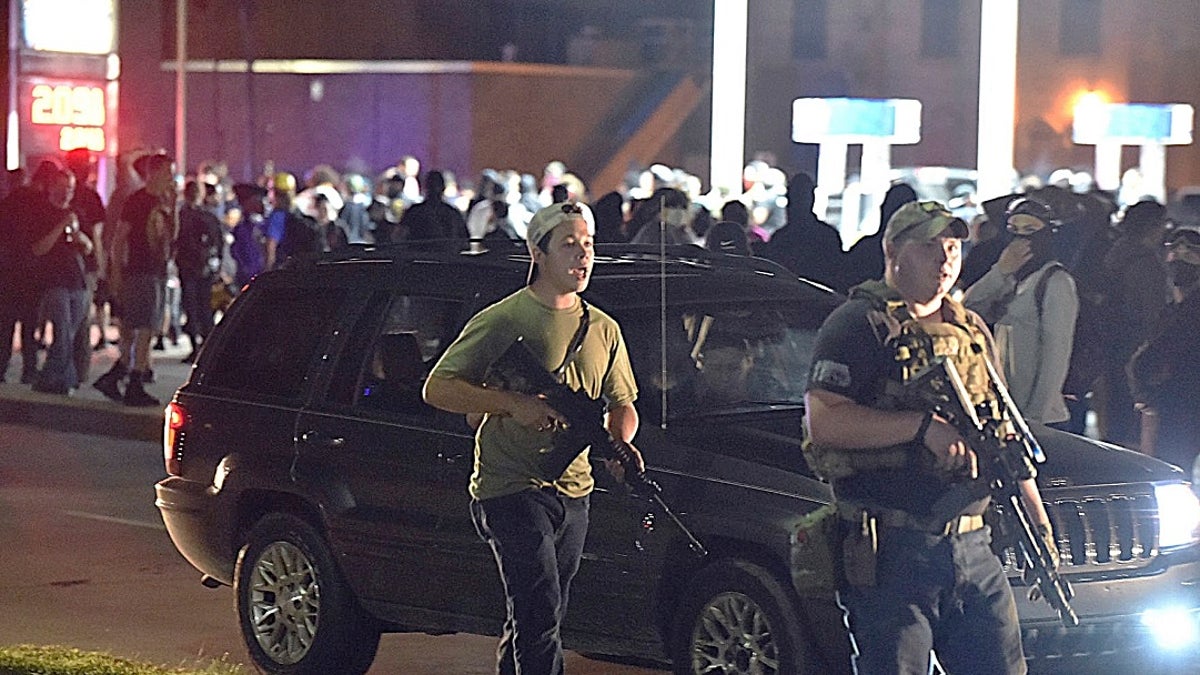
<point x="849" y="360"/>
<point x="89" y="208"/>
<point x="144" y="257"/>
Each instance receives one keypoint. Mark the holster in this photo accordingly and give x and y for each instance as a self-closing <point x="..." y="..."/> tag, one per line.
<point x="816" y="552"/>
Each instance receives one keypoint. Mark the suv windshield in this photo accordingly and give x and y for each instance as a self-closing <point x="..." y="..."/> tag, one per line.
<point x="720" y="357"/>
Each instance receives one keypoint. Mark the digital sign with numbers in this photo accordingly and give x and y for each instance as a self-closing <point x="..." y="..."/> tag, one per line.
<point x="61" y="116"/>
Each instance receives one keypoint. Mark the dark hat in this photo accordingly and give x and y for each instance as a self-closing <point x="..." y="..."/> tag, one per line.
<point x="249" y="191"/>
<point x="149" y="163"/>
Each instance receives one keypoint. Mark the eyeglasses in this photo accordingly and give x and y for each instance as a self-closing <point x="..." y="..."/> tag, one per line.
<point x="572" y="207"/>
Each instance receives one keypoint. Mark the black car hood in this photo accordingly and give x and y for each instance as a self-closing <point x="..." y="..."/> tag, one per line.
<point x="774" y="434"/>
<point x="1074" y="460"/>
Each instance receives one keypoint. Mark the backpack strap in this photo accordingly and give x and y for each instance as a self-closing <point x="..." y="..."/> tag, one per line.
<point x="1039" y="291"/>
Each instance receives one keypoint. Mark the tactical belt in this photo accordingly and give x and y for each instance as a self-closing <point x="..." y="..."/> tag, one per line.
<point x="905" y="521"/>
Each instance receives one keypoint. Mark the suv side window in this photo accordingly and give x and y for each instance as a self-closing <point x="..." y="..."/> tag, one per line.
<point x="268" y="349"/>
<point x="391" y="350"/>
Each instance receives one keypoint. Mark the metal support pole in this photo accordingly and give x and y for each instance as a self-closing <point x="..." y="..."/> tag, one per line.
<point x="181" y="86"/>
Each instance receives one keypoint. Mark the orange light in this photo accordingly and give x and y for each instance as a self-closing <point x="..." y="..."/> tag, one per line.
<point x="1088" y="99"/>
<point x="175" y="419"/>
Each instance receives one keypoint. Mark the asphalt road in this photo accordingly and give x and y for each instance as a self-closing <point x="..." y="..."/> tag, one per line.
<point x="85" y="562"/>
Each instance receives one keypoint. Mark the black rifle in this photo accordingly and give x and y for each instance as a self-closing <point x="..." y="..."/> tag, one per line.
<point x="518" y="370"/>
<point x="1006" y="450"/>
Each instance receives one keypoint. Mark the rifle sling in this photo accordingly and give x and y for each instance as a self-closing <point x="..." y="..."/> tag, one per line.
<point x="576" y="342"/>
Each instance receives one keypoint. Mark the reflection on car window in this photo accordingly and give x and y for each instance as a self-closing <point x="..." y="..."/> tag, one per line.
<point x="270" y="355"/>
<point x="390" y="352"/>
<point x="720" y="357"/>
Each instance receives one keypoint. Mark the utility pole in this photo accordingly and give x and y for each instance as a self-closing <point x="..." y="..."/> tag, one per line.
<point x="181" y="86"/>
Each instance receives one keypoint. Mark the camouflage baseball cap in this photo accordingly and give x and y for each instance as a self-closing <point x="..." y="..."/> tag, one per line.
<point x="923" y="220"/>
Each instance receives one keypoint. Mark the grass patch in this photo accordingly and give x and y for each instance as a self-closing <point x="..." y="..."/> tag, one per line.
<point x="53" y="660"/>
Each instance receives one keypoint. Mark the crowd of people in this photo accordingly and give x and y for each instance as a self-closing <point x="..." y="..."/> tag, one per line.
<point x="1077" y="290"/>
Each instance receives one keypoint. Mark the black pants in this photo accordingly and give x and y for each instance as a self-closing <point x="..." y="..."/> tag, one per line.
<point x="19" y="307"/>
<point x="195" y="303"/>
<point x="537" y="537"/>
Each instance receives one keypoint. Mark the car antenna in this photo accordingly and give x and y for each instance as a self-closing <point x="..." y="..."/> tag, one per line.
<point x="662" y="305"/>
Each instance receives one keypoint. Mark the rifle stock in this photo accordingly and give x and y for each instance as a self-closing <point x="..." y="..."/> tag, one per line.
<point x="518" y="370"/>
<point x="1005" y="459"/>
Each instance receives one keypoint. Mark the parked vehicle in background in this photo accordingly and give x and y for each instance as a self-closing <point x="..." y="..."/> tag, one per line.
<point x="305" y="471"/>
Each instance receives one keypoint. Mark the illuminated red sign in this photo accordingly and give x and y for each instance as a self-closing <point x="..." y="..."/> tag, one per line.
<point x="62" y="116"/>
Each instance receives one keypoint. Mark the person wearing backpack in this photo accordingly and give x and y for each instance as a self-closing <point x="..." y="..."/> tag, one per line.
<point x="1031" y="302"/>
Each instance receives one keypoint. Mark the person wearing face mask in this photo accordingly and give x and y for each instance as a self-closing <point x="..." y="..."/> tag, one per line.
<point x="1164" y="373"/>
<point x="1030" y="300"/>
<point x="672" y="208"/>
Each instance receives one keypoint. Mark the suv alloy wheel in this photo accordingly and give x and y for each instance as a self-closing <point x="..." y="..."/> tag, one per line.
<point x="296" y="614"/>
<point x="737" y="618"/>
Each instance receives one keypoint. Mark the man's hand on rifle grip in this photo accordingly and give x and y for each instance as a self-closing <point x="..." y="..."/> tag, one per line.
<point x="615" y="467"/>
<point x="949" y="449"/>
<point x="534" y="412"/>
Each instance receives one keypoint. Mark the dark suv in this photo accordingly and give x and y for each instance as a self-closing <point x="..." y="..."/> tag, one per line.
<point x="305" y="471"/>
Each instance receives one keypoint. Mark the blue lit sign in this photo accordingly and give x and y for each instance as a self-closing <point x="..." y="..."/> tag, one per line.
<point x="1133" y="124"/>
<point x="856" y="120"/>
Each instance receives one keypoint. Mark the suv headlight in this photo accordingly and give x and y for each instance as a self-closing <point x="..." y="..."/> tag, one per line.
<point x="1178" y="515"/>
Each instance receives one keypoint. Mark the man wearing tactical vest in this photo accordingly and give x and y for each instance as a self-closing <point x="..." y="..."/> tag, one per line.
<point x="919" y="576"/>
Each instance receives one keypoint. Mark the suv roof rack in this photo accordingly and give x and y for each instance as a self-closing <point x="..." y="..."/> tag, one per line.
<point x="503" y="253"/>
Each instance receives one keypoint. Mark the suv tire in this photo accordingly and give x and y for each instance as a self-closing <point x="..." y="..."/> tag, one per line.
<point x="297" y="615"/>
<point x="737" y="618"/>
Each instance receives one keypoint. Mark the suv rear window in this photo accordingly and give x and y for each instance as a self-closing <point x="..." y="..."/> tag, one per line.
<point x="269" y="347"/>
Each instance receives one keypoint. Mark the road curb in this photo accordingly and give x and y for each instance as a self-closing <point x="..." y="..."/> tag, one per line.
<point x="103" y="418"/>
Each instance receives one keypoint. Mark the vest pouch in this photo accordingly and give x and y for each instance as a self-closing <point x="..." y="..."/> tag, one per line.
<point x="816" y="555"/>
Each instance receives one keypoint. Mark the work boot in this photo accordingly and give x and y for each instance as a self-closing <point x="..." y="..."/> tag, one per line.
<point x="135" y="394"/>
<point x="109" y="383"/>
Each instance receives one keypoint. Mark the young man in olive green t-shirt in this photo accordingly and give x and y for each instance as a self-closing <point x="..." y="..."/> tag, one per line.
<point x="535" y="523"/>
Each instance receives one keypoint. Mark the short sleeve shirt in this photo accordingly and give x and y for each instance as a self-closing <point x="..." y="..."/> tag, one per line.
<point x="507" y="453"/>
<point x="850" y="360"/>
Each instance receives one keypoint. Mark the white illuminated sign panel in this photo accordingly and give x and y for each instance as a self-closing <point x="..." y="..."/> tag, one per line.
<point x="1133" y="124"/>
<point x="856" y="120"/>
<point x="70" y="26"/>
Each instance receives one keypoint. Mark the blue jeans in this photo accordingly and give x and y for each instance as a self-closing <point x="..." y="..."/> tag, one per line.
<point x="537" y="538"/>
<point x="948" y="594"/>
<point x="66" y="309"/>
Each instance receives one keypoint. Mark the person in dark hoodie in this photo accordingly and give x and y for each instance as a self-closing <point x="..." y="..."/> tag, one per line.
<point x="1164" y="373"/>
<point x="1136" y="294"/>
<point x="864" y="260"/>
<point x="807" y="245"/>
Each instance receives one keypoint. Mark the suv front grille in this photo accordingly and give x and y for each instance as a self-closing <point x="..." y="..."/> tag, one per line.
<point x="1100" y="532"/>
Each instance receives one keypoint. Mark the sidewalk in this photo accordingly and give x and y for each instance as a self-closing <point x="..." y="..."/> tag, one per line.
<point x="87" y="410"/>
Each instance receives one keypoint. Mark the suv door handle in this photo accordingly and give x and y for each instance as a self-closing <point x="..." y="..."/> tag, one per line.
<point x="320" y="440"/>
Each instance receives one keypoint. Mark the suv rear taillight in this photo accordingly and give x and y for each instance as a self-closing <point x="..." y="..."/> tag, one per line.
<point x="174" y="420"/>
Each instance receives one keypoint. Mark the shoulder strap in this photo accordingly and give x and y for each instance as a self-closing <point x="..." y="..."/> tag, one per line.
<point x="576" y="341"/>
<point x="1039" y="291"/>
